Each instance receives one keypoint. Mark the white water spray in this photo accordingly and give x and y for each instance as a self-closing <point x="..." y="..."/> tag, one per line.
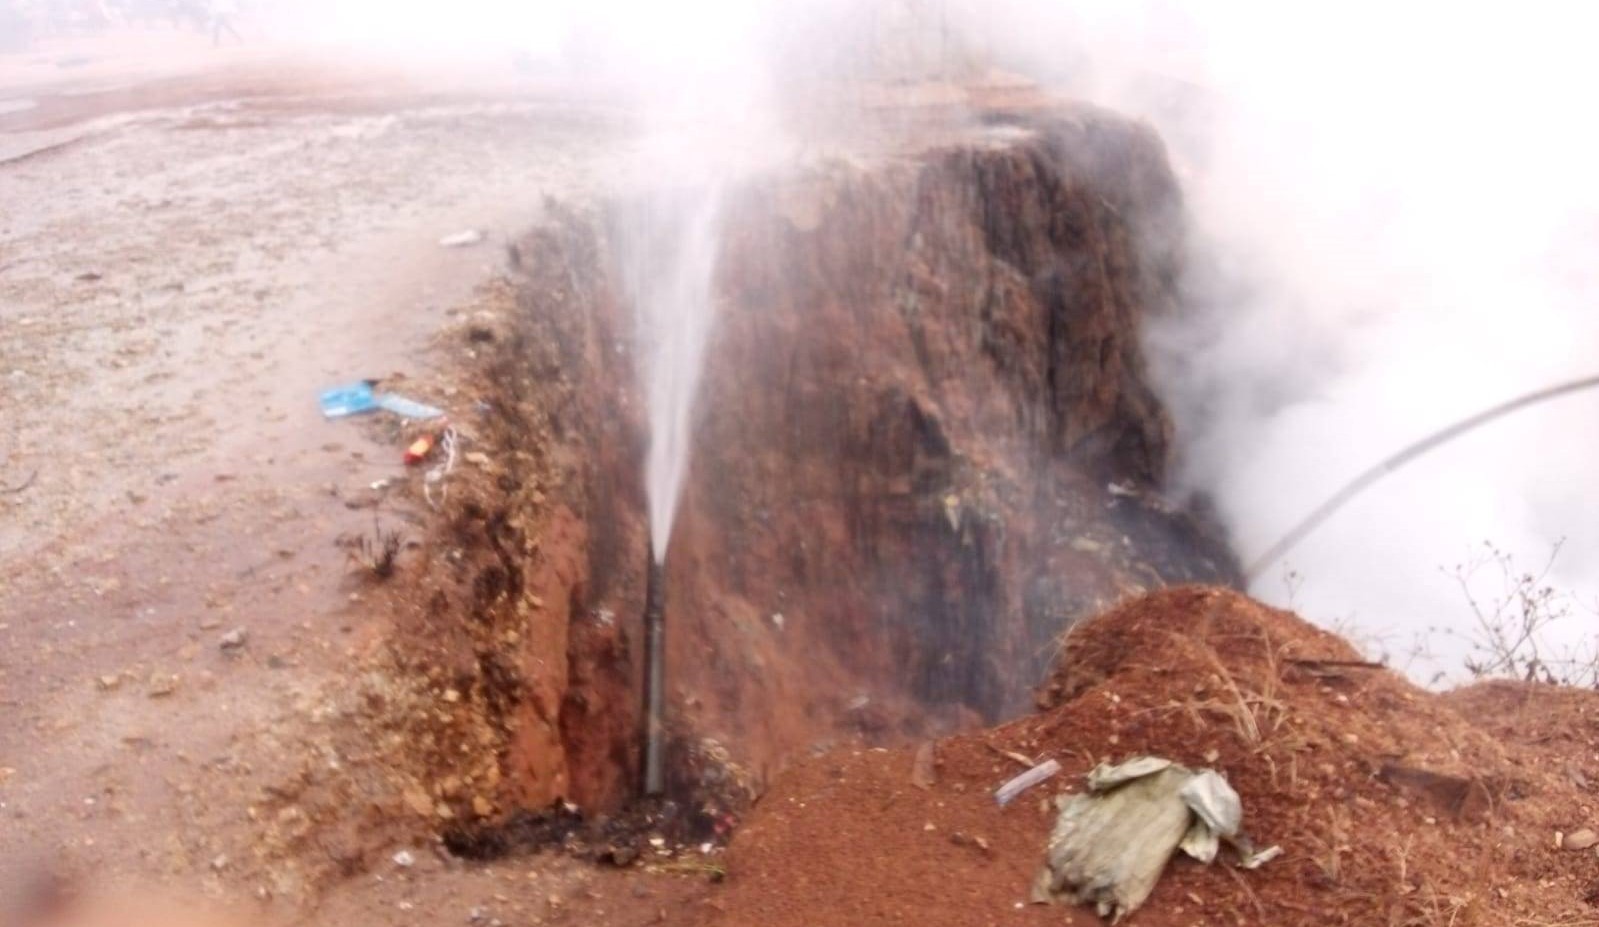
<point x="670" y="243"/>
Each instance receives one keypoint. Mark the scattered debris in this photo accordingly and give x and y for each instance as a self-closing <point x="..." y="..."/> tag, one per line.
<point x="924" y="773"/>
<point x="358" y="397"/>
<point x="1007" y="793"/>
<point x="346" y="400"/>
<point x="977" y="843"/>
<point x="441" y="471"/>
<point x="952" y="511"/>
<point x="1334" y="664"/>
<point x="408" y="408"/>
<point x="1110" y="845"/>
<point x="420" y="449"/>
<point x="1026" y="761"/>
<point x="462" y="239"/>
<point x="1331" y="669"/>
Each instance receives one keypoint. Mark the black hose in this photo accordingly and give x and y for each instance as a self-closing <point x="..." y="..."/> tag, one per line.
<point x="654" y="681"/>
<point x="1354" y="487"/>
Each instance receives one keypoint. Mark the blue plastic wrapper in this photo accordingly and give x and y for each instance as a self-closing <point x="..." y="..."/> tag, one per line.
<point x="350" y="399"/>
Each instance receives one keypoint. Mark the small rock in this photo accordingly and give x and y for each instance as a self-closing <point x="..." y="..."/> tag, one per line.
<point x="481" y="806"/>
<point x="220" y="862"/>
<point x="108" y="682"/>
<point x="968" y="840"/>
<point x="477" y="458"/>
<point x="477" y="916"/>
<point x="233" y="640"/>
<point x="404" y="859"/>
<point x="210" y="624"/>
<point x="418" y="801"/>
<point x="1584" y="839"/>
<point x="162" y="685"/>
<point x="444" y="812"/>
<point x="463" y="239"/>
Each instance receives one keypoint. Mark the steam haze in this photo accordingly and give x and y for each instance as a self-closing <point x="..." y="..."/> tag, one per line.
<point x="1394" y="211"/>
<point x="1395" y="216"/>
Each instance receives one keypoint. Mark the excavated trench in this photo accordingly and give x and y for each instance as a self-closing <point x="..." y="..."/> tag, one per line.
<point x="926" y="442"/>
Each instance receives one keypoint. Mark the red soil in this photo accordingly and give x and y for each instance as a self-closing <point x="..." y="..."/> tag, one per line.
<point x="1391" y="804"/>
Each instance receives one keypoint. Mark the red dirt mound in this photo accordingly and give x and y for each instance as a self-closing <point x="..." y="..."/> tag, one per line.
<point x="1391" y="805"/>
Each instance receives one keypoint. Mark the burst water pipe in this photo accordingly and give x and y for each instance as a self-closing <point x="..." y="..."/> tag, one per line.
<point x="654" y="681"/>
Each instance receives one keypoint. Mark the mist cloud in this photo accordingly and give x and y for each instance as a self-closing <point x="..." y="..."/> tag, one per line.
<point x="1395" y="212"/>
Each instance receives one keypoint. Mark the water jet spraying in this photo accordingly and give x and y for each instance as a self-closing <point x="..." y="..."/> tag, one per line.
<point x="670" y="243"/>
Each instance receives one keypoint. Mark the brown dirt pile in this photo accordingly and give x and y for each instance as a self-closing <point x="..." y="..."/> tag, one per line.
<point x="1393" y="805"/>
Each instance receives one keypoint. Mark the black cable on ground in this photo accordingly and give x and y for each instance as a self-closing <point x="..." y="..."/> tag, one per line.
<point x="1324" y="511"/>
